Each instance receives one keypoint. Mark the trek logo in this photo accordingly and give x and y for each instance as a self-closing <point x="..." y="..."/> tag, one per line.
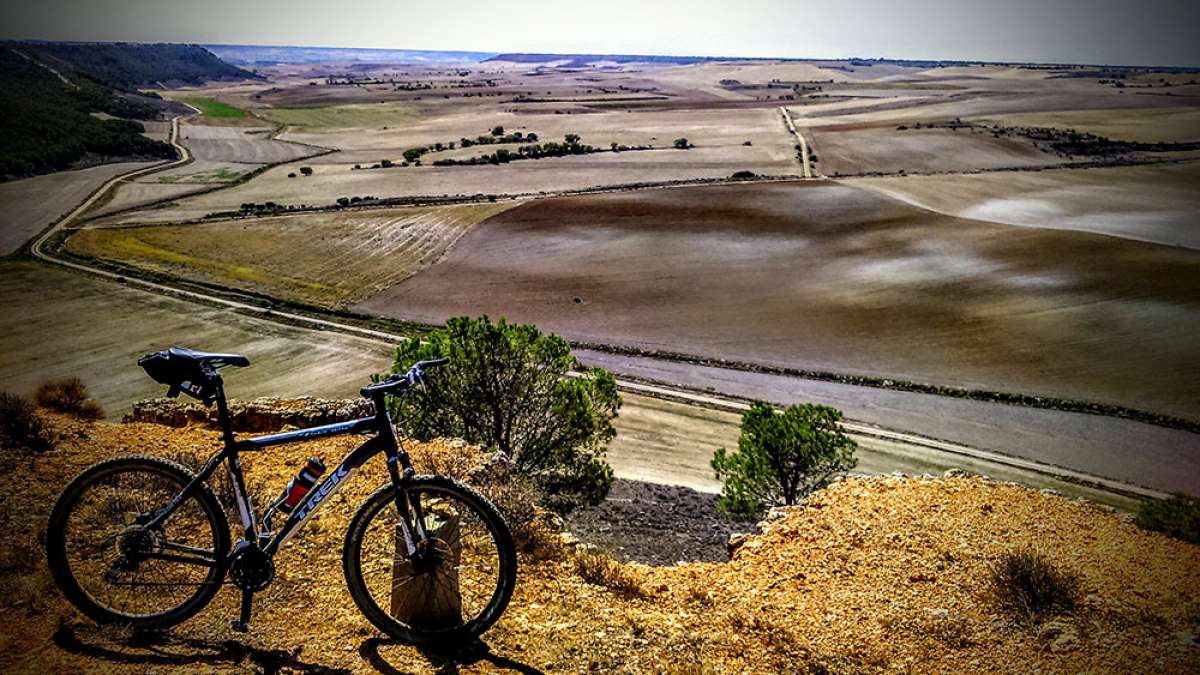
<point x="326" y="488"/>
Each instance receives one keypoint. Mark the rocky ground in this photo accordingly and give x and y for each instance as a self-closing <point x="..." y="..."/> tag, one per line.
<point x="872" y="574"/>
<point x="657" y="524"/>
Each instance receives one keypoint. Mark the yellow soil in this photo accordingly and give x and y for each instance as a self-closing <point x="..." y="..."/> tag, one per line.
<point x="871" y="574"/>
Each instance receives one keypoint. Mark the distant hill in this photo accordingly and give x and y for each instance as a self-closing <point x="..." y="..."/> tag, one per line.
<point x="252" y="55"/>
<point x="49" y="119"/>
<point x="579" y="60"/>
<point x="127" y="65"/>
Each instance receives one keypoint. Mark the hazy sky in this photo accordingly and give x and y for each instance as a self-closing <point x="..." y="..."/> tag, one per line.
<point x="1158" y="32"/>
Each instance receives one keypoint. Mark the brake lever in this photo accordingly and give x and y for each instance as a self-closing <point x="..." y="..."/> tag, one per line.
<point x="416" y="378"/>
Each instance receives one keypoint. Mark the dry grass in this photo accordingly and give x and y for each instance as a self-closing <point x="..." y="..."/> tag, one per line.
<point x="69" y="396"/>
<point x="1032" y="587"/>
<point x="600" y="569"/>
<point x="21" y="429"/>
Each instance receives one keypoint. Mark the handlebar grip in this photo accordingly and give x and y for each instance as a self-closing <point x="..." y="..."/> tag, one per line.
<point x="432" y="363"/>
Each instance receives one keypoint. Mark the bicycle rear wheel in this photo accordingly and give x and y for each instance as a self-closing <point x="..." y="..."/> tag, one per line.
<point x="114" y="568"/>
<point x="455" y="588"/>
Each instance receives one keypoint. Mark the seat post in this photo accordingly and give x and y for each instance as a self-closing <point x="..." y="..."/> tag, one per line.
<point x="223" y="412"/>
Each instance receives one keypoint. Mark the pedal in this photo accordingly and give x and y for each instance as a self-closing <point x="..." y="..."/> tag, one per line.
<point x="242" y="623"/>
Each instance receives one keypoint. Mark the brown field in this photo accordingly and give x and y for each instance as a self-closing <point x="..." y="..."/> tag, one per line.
<point x="1149" y="125"/>
<point x="1147" y="203"/>
<point x="827" y="276"/>
<point x="31" y="205"/>
<point x="853" y="150"/>
<point x="330" y="260"/>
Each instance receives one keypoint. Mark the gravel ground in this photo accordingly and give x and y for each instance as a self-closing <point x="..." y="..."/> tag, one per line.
<point x="657" y="524"/>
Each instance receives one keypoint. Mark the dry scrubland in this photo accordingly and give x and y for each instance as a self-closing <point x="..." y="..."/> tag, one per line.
<point x="329" y="260"/>
<point x="869" y="574"/>
<point x="833" y="277"/>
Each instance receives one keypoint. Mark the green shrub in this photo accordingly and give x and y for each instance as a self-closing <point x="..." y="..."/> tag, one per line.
<point x="507" y="388"/>
<point x="781" y="457"/>
<point x="1027" y="584"/>
<point x="20" y="427"/>
<point x="1177" y="516"/>
<point x="69" y="396"/>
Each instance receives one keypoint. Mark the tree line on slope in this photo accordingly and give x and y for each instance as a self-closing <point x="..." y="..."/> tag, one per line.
<point x="128" y="65"/>
<point x="47" y="124"/>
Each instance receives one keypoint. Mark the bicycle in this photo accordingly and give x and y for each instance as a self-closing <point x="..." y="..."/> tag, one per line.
<point x="143" y="541"/>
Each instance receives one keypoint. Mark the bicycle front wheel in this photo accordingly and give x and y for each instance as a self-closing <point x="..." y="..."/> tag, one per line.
<point x="113" y="566"/>
<point x="455" y="587"/>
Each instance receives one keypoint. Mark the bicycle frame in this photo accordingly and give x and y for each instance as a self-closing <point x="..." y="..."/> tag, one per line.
<point x="383" y="441"/>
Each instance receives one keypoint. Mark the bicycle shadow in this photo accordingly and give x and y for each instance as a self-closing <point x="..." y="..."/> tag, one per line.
<point x="446" y="658"/>
<point x="166" y="649"/>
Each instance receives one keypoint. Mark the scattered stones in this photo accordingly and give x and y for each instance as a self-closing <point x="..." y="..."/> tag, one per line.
<point x="260" y="415"/>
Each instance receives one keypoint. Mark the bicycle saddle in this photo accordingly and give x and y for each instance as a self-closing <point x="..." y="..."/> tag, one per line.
<point x="209" y="358"/>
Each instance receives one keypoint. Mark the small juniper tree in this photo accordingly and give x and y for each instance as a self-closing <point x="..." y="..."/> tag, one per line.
<point x="506" y="388"/>
<point x="781" y="457"/>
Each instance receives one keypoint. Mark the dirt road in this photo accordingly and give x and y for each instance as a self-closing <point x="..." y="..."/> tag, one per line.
<point x="805" y="164"/>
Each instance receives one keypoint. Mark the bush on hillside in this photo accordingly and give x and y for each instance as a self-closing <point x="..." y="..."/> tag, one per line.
<point x="600" y="569"/>
<point x="1177" y="516"/>
<point x="781" y="457"/>
<point x="70" y="396"/>
<point x="20" y="427"/>
<point x="1029" y="585"/>
<point x="507" y="388"/>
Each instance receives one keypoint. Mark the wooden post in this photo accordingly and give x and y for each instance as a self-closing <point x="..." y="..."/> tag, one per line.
<point x="431" y="599"/>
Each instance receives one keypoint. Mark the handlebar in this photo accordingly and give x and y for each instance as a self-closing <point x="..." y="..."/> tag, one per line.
<point x="399" y="382"/>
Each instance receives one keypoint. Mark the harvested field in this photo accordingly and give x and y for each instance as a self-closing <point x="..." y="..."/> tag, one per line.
<point x="1148" y="125"/>
<point x="707" y="129"/>
<point x="849" y="151"/>
<point x="251" y="145"/>
<point x="331" y="181"/>
<point x="831" y="277"/>
<point x="32" y="204"/>
<point x="73" y="325"/>
<point x="131" y="194"/>
<point x="329" y="260"/>
<point x="1147" y="203"/>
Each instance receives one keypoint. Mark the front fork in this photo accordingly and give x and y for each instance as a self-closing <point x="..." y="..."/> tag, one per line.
<point x="408" y="506"/>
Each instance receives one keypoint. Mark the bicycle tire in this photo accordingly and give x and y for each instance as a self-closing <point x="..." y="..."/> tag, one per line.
<point x="57" y="532"/>
<point x="502" y="537"/>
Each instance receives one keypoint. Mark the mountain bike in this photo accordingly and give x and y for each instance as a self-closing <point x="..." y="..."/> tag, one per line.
<point x="143" y="541"/>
